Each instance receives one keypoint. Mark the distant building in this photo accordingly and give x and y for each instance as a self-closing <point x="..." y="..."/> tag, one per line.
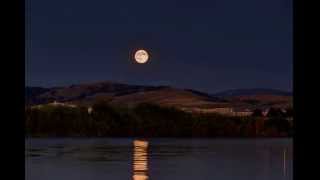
<point x="221" y="110"/>
<point x="37" y="106"/>
<point x="208" y="110"/>
<point x="90" y="110"/>
<point x="243" y="112"/>
<point x="55" y="103"/>
<point x="265" y="112"/>
<point x="283" y="110"/>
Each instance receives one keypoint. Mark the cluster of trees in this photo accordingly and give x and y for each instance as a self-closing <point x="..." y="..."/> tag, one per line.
<point x="147" y="120"/>
<point x="275" y="112"/>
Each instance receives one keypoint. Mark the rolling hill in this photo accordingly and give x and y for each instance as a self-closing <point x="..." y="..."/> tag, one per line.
<point x="120" y="93"/>
<point x="261" y="98"/>
<point x="250" y="92"/>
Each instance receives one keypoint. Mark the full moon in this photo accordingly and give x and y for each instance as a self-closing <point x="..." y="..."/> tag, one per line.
<point x="141" y="56"/>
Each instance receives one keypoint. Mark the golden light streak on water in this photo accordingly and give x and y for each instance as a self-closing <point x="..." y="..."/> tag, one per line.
<point x="140" y="160"/>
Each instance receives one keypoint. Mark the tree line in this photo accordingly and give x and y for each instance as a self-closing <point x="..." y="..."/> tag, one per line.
<point x="149" y="120"/>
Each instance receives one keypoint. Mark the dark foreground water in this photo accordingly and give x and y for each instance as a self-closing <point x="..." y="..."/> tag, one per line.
<point x="158" y="159"/>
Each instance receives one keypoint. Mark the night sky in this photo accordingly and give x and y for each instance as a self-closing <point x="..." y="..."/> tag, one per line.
<point x="207" y="45"/>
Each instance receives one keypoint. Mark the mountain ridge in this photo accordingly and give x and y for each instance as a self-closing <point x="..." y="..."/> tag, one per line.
<point x="252" y="91"/>
<point x="121" y="93"/>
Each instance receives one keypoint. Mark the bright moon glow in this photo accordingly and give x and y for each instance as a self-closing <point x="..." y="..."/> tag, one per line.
<point x="141" y="56"/>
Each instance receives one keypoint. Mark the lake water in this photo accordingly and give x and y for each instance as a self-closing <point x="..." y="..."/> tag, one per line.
<point x="158" y="159"/>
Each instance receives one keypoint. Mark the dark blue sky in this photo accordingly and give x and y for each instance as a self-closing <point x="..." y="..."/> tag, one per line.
<point x="208" y="45"/>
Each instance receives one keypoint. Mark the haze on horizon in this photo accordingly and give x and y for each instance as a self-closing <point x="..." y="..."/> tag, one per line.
<point x="204" y="45"/>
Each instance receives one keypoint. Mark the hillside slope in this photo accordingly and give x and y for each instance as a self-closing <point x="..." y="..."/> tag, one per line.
<point x="119" y="93"/>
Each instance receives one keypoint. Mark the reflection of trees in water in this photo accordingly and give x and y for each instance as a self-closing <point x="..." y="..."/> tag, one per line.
<point x="140" y="160"/>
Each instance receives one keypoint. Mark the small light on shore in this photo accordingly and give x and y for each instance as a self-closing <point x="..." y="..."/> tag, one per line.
<point x="89" y="110"/>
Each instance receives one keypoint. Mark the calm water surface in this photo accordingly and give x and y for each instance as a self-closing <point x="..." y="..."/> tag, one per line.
<point x="158" y="159"/>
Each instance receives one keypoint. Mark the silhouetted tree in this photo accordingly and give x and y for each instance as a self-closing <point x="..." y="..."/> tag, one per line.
<point x="275" y="112"/>
<point x="289" y="112"/>
<point x="147" y="120"/>
<point x="257" y="113"/>
<point x="280" y="124"/>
